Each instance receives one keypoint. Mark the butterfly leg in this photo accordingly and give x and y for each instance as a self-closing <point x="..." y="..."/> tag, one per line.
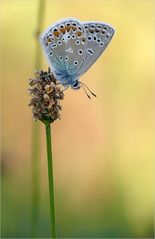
<point x="65" y="88"/>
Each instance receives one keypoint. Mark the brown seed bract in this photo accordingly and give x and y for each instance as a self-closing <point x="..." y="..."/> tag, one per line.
<point x="46" y="96"/>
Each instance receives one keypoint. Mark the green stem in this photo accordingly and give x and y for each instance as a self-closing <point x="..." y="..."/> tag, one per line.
<point x="36" y="131"/>
<point x="50" y="179"/>
<point x="40" y="18"/>
<point x="35" y="178"/>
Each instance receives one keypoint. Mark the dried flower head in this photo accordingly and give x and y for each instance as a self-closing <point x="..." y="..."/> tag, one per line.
<point x="46" y="96"/>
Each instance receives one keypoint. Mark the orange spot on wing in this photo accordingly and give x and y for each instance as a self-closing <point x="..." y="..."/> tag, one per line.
<point x="92" y="30"/>
<point x="63" y="30"/>
<point x="56" y="34"/>
<point x="49" y="40"/>
<point x="97" y="30"/>
<point x="68" y="28"/>
<point x="74" y="28"/>
<point x="79" y="34"/>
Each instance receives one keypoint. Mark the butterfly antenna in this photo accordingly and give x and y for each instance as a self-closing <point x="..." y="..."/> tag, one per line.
<point x="83" y="84"/>
<point x="85" y="91"/>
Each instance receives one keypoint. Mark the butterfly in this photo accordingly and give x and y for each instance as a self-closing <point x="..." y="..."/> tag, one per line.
<point x="72" y="47"/>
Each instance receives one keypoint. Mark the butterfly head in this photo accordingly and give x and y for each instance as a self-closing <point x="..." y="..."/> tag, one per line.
<point x="76" y="85"/>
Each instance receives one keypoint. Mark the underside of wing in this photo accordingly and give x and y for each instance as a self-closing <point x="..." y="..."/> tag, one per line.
<point x="63" y="44"/>
<point x="98" y="36"/>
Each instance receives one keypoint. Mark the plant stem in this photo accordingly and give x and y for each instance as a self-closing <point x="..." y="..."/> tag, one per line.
<point x="50" y="179"/>
<point x="35" y="177"/>
<point x="40" y="18"/>
<point x="36" y="131"/>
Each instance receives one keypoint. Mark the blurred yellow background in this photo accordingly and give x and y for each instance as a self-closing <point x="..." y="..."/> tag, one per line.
<point x="103" y="148"/>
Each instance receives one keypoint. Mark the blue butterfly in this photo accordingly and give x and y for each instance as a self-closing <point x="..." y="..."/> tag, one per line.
<point x="72" y="47"/>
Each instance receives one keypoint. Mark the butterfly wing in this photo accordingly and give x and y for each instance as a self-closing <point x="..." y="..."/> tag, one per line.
<point x="98" y="36"/>
<point x="63" y="44"/>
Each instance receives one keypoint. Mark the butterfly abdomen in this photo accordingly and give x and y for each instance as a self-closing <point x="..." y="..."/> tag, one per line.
<point x="65" y="77"/>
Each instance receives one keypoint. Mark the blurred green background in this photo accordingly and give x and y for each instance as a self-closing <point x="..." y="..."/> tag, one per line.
<point x="103" y="148"/>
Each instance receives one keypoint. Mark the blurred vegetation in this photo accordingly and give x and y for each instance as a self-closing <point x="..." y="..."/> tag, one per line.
<point x="103" y="149"/>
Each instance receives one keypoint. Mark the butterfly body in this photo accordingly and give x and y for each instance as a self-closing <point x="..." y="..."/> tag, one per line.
<point x="71" y="47"/>
<point x="66" y="77"/>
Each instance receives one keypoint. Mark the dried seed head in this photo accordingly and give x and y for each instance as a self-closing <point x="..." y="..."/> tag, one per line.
<point x="50" y="88"/>
<point x="46" y="96"/>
